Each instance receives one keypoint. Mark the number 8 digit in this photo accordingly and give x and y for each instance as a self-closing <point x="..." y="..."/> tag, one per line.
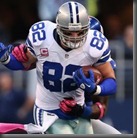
<point x="38" y="32"/>
<point x="98" y="43"/>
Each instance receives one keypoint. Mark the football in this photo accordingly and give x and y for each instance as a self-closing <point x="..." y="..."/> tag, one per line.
<point x="97" y="74"/>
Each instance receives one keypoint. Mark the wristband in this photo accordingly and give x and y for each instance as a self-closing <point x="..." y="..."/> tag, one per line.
<point x="101" y="109"/>
<point x="97" y="91"/>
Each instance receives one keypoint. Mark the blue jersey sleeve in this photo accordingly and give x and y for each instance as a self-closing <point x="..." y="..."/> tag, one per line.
<point x="13" y="64"/>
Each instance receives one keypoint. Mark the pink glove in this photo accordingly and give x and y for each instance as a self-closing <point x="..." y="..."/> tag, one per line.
<point x="19" y="53"/>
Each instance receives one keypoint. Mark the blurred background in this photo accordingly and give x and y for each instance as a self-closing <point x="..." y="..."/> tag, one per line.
<point x="17" y="88"/>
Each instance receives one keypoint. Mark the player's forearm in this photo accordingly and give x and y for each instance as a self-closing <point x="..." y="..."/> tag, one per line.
<point x="107" y="87"/>
<point x="13" y="64"/>
<point x="97" y="112"/>
<point x="94" y="111"/>
<point x="8" y="59"/>
<point x="98" y="106"/>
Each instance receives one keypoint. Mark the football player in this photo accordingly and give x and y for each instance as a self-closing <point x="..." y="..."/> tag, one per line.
<point x="99" y="103"/>
<point x="59" y="50"/>
<point x="95" y="25"/>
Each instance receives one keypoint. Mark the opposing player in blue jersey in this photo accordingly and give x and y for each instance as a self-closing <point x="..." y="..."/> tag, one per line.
<point x="59" y="50"/>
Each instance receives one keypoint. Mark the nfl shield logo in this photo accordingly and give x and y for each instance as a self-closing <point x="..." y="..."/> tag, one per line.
<point x="44" y="52"/>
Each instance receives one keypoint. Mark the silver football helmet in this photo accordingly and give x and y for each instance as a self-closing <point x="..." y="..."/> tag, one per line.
<point x="72" y="17"/>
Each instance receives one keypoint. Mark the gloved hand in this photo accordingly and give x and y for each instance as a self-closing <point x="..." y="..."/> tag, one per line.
<point x="87" y="84"/>
<point x="19" y="53"/>
<point x="4" y="52"/>
<point x="70" y="107"/>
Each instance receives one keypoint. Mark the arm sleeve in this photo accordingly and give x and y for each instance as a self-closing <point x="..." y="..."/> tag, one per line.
<point x="13" y="64"/>
<point x="107" y="87"/>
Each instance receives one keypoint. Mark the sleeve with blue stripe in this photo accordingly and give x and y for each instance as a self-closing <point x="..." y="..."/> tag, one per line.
<point x="105" y="56"/>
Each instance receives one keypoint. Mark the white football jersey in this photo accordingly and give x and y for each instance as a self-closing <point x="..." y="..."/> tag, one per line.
<point x="55" y="66"/>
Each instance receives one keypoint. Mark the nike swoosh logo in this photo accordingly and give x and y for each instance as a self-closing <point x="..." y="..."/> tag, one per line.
<point x="87" y="85"/>
<point x="82" y="86"/>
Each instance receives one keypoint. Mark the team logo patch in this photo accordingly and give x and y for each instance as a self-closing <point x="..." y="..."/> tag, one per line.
<point x="44" y="52"/>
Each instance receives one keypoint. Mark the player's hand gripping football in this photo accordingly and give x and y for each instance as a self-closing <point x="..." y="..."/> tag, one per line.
<point x="4" y="52"/>
<point x="70" y="107"/>
<point x="19" y="53"/>
<point x="87" y="84"/>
